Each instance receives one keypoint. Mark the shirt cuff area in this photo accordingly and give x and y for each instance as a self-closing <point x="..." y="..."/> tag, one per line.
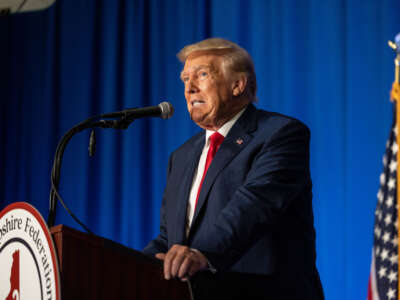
<point x="210" y="266"/>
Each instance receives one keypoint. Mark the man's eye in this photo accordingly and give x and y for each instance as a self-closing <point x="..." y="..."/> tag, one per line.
<point x="203" y="74"/>
<point x="185" y="79"/>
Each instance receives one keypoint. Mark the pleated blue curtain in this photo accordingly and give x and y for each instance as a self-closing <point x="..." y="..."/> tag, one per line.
<point x="324" y="62"/>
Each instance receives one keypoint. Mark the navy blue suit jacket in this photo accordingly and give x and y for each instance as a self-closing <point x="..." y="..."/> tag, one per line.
<point x="254" y="212"/>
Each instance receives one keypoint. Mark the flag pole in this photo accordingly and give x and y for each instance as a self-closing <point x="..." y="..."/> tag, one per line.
<point x="395" y="96"/>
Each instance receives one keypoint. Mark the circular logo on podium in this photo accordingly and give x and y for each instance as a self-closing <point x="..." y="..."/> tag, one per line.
<point x="28" y="260"/>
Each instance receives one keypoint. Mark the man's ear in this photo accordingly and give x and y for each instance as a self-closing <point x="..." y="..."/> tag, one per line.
<point x="239" y="85"/>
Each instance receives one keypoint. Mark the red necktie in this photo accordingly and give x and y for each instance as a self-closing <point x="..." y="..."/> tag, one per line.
<point x="216" y="140"/>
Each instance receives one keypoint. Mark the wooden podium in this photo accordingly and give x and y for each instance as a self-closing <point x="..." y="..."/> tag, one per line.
<point x="92" y="267"/>
<point x="95" y="268"/>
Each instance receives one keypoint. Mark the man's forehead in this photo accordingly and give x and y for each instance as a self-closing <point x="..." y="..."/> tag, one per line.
<point x="201" y="60"/>
<point x="195" y="67"/>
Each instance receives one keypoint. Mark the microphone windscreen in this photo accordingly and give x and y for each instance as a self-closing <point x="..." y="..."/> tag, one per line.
<point x="167" y="110"/>
<point x="17" y="6"/>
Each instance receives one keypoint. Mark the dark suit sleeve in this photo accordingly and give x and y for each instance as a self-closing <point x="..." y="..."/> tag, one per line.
<point x="160" y="243"/>
<point x="278" y="174"/>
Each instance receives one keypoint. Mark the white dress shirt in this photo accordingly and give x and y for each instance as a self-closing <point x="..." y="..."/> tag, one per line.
<point x="224" y="130"/>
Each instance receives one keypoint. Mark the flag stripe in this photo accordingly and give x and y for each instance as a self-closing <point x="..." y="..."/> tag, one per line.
<point x="372" y="289"/>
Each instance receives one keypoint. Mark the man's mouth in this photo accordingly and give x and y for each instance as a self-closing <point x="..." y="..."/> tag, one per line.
<point x="195" y="103"/>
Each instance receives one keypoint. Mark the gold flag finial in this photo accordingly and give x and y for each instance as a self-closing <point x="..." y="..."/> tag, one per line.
<point x="392" y="45"/>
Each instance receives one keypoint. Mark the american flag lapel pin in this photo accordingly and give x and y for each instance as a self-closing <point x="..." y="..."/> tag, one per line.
<point x="239" y="141"/>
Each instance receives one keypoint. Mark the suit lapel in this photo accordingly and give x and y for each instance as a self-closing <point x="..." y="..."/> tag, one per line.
<point x="237" y="139"/>
<point x="191" y="162"/>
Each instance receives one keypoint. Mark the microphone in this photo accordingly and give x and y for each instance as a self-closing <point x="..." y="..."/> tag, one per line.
<point x="17" y="6"/>
<point x="164" y="110"/>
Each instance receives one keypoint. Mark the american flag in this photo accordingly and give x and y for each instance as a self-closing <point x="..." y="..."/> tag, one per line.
<point x="383" y="281"/>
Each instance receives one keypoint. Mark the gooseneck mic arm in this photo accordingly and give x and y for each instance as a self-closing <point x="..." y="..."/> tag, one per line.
<point x="55" y="173"/>
<point x="122" y="120"/>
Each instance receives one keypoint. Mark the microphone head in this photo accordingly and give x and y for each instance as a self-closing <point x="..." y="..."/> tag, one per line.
<point x="18" y="6"/>
<point x="167" y="110"/>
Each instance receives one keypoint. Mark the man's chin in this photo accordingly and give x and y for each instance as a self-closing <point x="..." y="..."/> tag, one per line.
<point x="200" y="120"/>
<point x="197" y="116"/>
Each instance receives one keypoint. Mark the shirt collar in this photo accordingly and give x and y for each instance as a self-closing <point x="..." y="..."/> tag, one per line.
<point x="224" y="129"/>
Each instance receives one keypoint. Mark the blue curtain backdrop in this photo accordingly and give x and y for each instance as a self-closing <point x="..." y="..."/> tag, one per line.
<point x="326" y="63"/>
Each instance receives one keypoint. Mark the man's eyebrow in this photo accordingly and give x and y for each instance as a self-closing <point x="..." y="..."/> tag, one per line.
<point x="196" y="69"/>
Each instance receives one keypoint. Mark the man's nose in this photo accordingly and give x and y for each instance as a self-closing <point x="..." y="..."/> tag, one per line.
<point x="191" y="86"/>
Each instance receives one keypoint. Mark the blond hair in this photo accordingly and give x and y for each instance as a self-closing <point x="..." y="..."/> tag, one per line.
<point x="236" y="59"/>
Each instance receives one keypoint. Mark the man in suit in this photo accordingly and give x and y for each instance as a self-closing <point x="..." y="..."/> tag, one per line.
<point x="238" y="195"/>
